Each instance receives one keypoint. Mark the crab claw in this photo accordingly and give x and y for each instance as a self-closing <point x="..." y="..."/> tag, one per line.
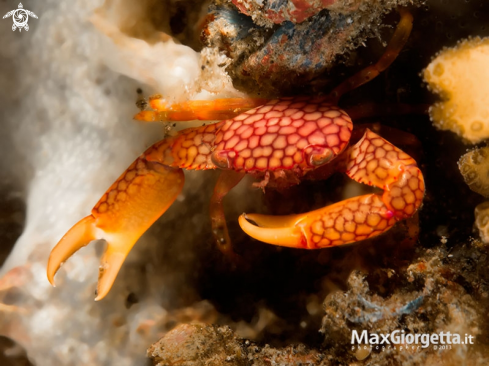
<point x="128" y="208"/>
<point x="278" y="230"/>
<point x="344" y="222"/>
<point x="77" y="237"/>
<point x="86" y="230"/>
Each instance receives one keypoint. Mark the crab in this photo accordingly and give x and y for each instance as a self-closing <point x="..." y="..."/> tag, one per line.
<point x="280" y="142"/>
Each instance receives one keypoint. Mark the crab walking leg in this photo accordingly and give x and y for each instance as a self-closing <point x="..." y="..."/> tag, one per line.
<point x="227" y="181"/>
<point x="396" y="44"/>
<point x="373" y="161"/>
<point x="128" y="208"/>
<point x="205" y="110"/>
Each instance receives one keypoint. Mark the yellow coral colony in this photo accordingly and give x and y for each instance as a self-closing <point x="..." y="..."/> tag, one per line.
<point x="461" y="76"/>
<point x="473" y="166"/>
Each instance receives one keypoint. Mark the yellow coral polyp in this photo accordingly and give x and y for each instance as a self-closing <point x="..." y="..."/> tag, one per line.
<point x="473" y="166"/>
<point x="461" y="76"/>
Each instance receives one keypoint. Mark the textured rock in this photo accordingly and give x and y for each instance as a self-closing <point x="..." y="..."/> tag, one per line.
<point x="198" y="345"/>
<point x="273" y="49"/>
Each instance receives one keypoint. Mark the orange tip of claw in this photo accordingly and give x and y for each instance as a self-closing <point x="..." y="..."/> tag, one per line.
<point x="276" y="230"/>
<point x="109" y="268"/>
<point x="77" y="237"/>
<point x="84" y="231"/>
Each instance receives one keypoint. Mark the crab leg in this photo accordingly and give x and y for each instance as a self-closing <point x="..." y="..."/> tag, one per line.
<point x="396" y="44"/>
<point x="128" y="208"/>
<point x="206" y="110"/>
<point x="373" y="161"/>
<point x="138" y="198"/>
<point x="227" y="181"/>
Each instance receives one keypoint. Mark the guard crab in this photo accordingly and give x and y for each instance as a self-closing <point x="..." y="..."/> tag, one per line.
<point x="280" y="142"/>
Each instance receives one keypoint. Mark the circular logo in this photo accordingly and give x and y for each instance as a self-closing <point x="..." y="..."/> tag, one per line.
<point x="20" y="18"/>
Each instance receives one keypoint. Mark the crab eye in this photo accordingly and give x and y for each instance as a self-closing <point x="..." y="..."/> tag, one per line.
<point x="223" y="158"/>
<point x="318" y="155"/>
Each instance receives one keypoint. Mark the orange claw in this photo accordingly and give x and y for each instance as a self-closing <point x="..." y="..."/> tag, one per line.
<point x="348" y="221"/>
<point x="128" y="208"/>
<point x="373" y="161"/>
<point x="77" y="237"/>
<point x="286" y="231"/>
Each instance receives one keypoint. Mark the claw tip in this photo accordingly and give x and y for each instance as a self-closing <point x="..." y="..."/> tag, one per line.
<point x="51" y="272"/>
<point x="97" y="296"/>
<point x="51" y="281"/>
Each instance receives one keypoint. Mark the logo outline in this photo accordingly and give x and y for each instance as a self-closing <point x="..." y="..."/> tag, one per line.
<point x="20" y="16"/>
